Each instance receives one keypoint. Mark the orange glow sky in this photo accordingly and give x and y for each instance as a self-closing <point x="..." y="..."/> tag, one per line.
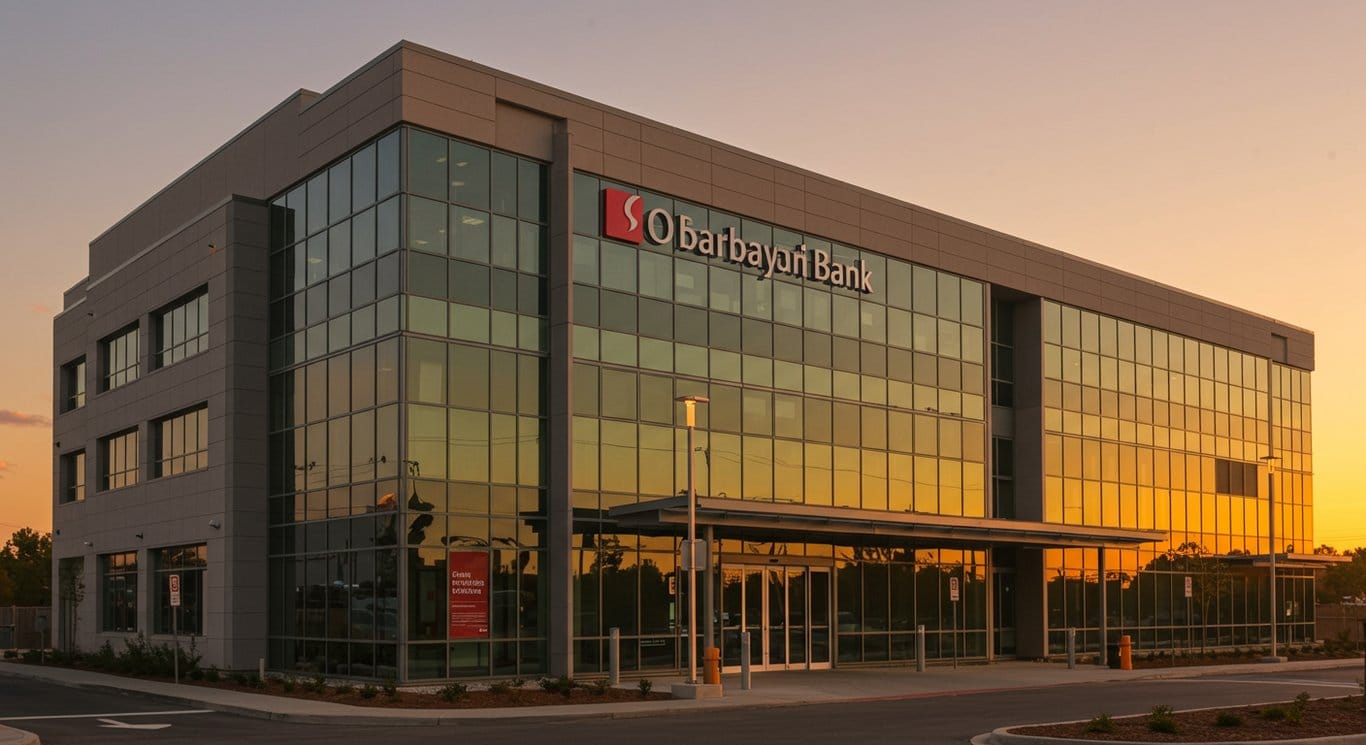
<point x="1214" y="146"/>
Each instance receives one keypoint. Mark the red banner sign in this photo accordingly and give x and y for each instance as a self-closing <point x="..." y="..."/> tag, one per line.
<point x="468" y="572"/>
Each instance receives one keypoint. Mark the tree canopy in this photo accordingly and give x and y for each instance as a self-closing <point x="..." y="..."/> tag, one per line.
<point x="26" y="568"/>
<point x="1343" y="580"/>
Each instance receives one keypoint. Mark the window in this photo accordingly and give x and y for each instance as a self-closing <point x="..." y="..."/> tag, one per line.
<point x="119" y="592"/>
<point x="1234" y="477"/>
<point x="189" y="562"/>
<point x="182" y="329"/>
<point x="73" y="385"/>
<point x="181" y="442"/>
<point x="119" y="460"/>
<point x="73" y="477"/>
<point x="120" y="353"/>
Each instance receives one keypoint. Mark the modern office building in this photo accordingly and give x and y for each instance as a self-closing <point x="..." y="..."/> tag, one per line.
<point x="388" y="383"/>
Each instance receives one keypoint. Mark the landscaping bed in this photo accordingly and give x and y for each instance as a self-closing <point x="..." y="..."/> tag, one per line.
<point x="141" y="659"/>
<point x="1302" y="718"/>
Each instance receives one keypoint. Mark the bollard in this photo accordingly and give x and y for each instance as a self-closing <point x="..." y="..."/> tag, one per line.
<point x="1071" y="649"/>
<point x="613" y="656"/>
<point x="711" y="671"/>
<point x="744" y="661"/>
<point x="261" y="668"/>
<point x="920" y="648"/>
<point x="1126" y="660"/>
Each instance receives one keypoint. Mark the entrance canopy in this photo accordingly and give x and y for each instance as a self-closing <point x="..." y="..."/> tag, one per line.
<point x="802" y="522"/>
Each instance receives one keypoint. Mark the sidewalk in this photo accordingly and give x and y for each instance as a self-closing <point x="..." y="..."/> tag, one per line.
<point x="772" y="689"/>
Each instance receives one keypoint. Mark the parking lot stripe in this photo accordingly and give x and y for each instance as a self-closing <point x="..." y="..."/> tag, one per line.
<point x="117" y="714"/>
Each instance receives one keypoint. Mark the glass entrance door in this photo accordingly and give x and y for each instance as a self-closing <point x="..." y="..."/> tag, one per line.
<point x="786" y="611"/>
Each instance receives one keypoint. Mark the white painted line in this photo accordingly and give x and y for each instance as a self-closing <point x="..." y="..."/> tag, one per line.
<point x="116" y="724"/>
<point x="1271" y="682"/>
<point x="109" y="716"/>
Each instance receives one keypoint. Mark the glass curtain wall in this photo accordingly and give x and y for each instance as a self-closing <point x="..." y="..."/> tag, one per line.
<point x="409" y="328"/>
<point x="1147" y="429"/>
<point x="335" y="450"/>
<point x="821" y="396"/>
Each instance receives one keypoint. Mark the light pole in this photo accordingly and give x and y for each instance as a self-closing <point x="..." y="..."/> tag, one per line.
<point x="689" y="552"/>
<point x="1271" y="534"/>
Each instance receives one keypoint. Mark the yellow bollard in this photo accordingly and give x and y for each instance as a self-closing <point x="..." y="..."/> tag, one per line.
<point x="1126" y="660"/>
<point x="711" y="674"/>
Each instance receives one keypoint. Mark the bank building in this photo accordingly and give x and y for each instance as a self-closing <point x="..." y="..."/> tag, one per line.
<point x="390" y="382"/>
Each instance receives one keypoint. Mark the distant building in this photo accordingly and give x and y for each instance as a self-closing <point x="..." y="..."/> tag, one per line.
<point x="388" y="383"/>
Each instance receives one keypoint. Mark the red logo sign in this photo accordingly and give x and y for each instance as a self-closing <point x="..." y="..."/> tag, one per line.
<point x="622" y="216"/>
<point x="468" y="594"/>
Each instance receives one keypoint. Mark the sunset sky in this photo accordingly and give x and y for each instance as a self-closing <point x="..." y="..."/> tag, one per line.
<point x="1219" y="147"/>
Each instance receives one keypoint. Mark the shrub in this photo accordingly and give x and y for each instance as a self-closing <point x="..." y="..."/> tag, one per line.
<point x="103" y="658"/>
<point x="32" y="655"/>
<point x="211" y="674"/>
<point x="562" y="685"/>
<point x="598" y="687"/>
<point x="453" y="692"/>
<point x="317" y="684"/>
<point x="196" y="674"/>
<point x="1101" y="723"/>
<point x="11" y="654"/>
<point x="1160" y="719"/>
<point x="368" y="691"/>
<point x="500" y="687"/>
<point x="390" y="688"/>
<point x="240" y="679"/>
<point x="1297" y="708"/>
<point x="345" y="689"/>
<point x="255" y="681"/>
<point x="1228" y="719"/>
<point x="287" y="683"/>
<point x="645" y="685"/>
<point x="1273" y="713"/>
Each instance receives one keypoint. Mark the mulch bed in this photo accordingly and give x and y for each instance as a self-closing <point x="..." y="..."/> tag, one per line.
<point x="473" y="699"/>
<point x="1322" y="718"/>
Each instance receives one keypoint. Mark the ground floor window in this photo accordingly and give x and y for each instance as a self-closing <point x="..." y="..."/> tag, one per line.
<point x="189" y="562"/>
<point x="119" y="592"/>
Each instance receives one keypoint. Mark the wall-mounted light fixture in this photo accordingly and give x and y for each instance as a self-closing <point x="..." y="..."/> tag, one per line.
<point x="215" y="524"/>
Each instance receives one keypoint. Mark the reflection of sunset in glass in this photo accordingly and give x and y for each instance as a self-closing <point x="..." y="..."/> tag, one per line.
<point x="1214" y="148"/>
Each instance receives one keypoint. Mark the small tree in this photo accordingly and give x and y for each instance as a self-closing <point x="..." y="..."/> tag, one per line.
<point x="71" y="591"/>
<point x="1211" y="580"/>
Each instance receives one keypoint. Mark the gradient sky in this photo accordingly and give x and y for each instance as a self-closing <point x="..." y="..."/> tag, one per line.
<point x="1215" y="146"/>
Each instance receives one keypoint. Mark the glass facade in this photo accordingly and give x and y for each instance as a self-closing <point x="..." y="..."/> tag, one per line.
<point x="406" y="426"/>
<point x="1151" y="430"/>
<point x="410" y="440"/>
<point x="820" y="395"/>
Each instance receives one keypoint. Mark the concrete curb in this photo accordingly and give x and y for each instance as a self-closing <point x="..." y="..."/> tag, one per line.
<point x="278" y="708"/>
<point x="12" y="736"/>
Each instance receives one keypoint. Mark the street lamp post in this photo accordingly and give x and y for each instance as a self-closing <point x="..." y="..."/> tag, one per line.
<point x="690" y="410"/>
<point x="1271" y="535"/>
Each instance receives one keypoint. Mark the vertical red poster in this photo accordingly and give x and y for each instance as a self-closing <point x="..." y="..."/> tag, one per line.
<point x="469" y="594"/>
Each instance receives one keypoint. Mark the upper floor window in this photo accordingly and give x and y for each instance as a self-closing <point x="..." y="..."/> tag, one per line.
<point x="73" y="385"/>
<point x="182" y="329"/>
<point x="181" y="442"/>
<point x="120" y="358"/>
<point x="119" y="460"/>
<point x="73" y="477"/>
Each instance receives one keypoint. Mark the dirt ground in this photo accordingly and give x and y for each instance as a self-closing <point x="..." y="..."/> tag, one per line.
<point x="1321" y="718"/>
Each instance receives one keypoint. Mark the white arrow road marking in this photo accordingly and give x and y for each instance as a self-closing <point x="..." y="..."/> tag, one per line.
<point x="115" y="724"/>
<point x="124" y="714"/>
